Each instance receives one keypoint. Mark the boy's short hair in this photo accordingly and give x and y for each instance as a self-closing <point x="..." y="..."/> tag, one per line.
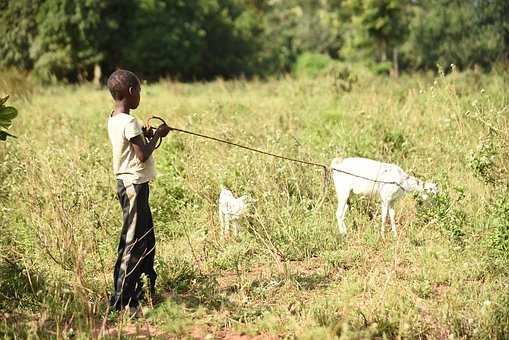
<point x="120" y="81"/>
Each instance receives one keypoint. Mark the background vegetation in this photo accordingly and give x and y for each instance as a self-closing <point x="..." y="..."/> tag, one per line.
<point x="289" y="274"/>
<point x="203" y="39"/>
<point x="307" y="79"/>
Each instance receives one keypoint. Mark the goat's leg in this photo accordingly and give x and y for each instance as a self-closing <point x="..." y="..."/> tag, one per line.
<point x="392" y="215"/>
<point x="385" y="210"/>
<point x="222" y="222"/>
<point x="236" y="227"/>
<point x="340" y="215"/>
<point x="226" y="225"/>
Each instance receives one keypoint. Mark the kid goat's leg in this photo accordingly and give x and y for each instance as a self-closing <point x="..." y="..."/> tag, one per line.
<point x="221" y="220"/>
<point x="392" y="215"/>
<point x="236" y="227"/>
<point x="385" y="210"/>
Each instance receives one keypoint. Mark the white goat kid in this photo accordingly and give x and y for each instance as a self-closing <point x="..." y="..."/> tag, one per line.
<point x="231" y="209"/>
<point x="389" y="181"/>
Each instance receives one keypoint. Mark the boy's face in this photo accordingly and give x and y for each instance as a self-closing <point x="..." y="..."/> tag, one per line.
<point x="134" y="97"/>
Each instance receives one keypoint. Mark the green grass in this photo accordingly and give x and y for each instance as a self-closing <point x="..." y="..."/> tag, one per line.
<point x="289" y="274"/>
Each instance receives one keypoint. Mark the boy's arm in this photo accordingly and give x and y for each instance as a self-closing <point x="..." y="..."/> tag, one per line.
<point x="142" y="150"/>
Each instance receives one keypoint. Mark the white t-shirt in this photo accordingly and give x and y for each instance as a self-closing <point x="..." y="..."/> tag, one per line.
<point x="126" y="166"/>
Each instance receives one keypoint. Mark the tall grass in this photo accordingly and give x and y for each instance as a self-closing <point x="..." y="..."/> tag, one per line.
<point x="289" y="273"/>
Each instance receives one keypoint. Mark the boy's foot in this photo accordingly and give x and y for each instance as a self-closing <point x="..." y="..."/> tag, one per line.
<point x="156" y="299"/>
<point x="134" y="312"/>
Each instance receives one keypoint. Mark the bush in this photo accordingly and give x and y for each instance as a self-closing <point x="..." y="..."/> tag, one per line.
<point x="482" y="161"/>
<point x="383" y="68"/>
<point x="498" y="239"/>
<point x="15" y="82"/>
<point x="312" y="64"/>
<point x="445" y="211"/>
<point x="7" y="114"/>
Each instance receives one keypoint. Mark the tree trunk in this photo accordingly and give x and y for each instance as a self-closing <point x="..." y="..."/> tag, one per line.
<point x="395" y="63"/>
<point x="97" y="75"/>
<point x="383" y="51"/>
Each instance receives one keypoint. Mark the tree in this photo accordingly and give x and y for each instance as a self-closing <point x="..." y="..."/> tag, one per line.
<point x="377" y="27"/>
<point x="18" y="28"/>
<point x="463" y="33"/>
<point x="68" y="39"/>
<point x="191" y="39"/>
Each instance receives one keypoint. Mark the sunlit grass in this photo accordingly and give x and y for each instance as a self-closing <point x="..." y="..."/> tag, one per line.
<point x="289" y="273"/>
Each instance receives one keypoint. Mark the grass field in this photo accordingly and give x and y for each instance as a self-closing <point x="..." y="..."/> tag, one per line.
<point x="289" y="274"/>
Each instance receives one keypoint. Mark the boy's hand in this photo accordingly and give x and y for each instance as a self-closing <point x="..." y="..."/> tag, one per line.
<point x="162" y="130"/>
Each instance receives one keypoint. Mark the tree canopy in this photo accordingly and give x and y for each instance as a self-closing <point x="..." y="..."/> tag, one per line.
<point x="203" y="39"/>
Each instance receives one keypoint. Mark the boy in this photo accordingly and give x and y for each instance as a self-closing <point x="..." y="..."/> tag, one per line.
<point x="133" y="166"/>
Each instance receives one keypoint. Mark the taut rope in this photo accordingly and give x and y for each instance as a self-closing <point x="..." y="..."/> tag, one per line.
<point x="323" y="166"/>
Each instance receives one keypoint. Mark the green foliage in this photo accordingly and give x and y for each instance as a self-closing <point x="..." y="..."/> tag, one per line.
<point x="288" y="274"/>
<point x="444" y="210"/>
<point x="7" y="114"/>
<point x="499" y="238"/>
<point x="178" y="274"/>
<point x="191" y="39"/>
<point x="463" y="33"/>
<point x="66" y="46"/>
<point x="344" y="78"/>
<point x="204" y="39"/>
<point x="395" y="142"/>
<point x="312" y="64"/>
<point x="20" y="288"/>
<point x="483" y="160"/>
<point x="377" y="30"/>
<point x="497" y="310"/>
<point x="18" y="28"/>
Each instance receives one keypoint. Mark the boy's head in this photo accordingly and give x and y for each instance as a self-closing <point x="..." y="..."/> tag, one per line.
<point x="124" y="85"/>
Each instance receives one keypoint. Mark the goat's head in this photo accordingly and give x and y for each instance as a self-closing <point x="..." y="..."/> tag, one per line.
<point x="428" y="189"/>
<point x="248" y="200"/>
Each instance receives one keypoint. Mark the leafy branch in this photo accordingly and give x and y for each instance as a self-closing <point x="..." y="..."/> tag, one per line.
<point x="7" y="114"/>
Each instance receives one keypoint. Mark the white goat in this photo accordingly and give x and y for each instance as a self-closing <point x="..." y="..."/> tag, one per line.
<point x="389" y="181"/>
<point x="231" y="209"/>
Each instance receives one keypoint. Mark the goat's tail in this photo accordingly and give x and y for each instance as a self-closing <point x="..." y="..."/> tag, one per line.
<point x="336" y="162"/>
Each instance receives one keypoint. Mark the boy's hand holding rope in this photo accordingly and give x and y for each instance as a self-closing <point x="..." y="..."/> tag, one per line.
<point x="149" y="131"/>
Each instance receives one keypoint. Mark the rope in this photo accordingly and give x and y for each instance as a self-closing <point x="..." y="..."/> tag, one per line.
<point x="250" y="149"/>
<point x="323" y="166"/>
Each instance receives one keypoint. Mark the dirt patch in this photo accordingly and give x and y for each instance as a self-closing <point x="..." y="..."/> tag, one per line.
<point x="229" y="334"/>
<point x="135" y="330"/>
<point x="440" y="289"/>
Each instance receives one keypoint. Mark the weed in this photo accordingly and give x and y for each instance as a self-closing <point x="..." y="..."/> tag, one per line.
<point x="289" y="274"/>
<point x="445" y="211"/>
<point x="483" y="160"/>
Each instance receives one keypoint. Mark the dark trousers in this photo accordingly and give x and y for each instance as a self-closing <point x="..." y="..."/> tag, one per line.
<point x="136" y="249"/>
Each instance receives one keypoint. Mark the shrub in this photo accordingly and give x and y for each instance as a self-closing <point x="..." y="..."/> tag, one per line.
<point x="383" y="68"/>
<point x="311" y="64"/>
<point x="7" y="114"/>
<point x="498" y="239"/>
<point x="482" y="161"/>
<point x="445" y="211"/>
<point x="344" y="78"/>
<point x="178" y="274"/>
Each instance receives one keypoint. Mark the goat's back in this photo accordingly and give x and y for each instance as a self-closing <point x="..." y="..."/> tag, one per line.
<point x="361" y="174"/>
